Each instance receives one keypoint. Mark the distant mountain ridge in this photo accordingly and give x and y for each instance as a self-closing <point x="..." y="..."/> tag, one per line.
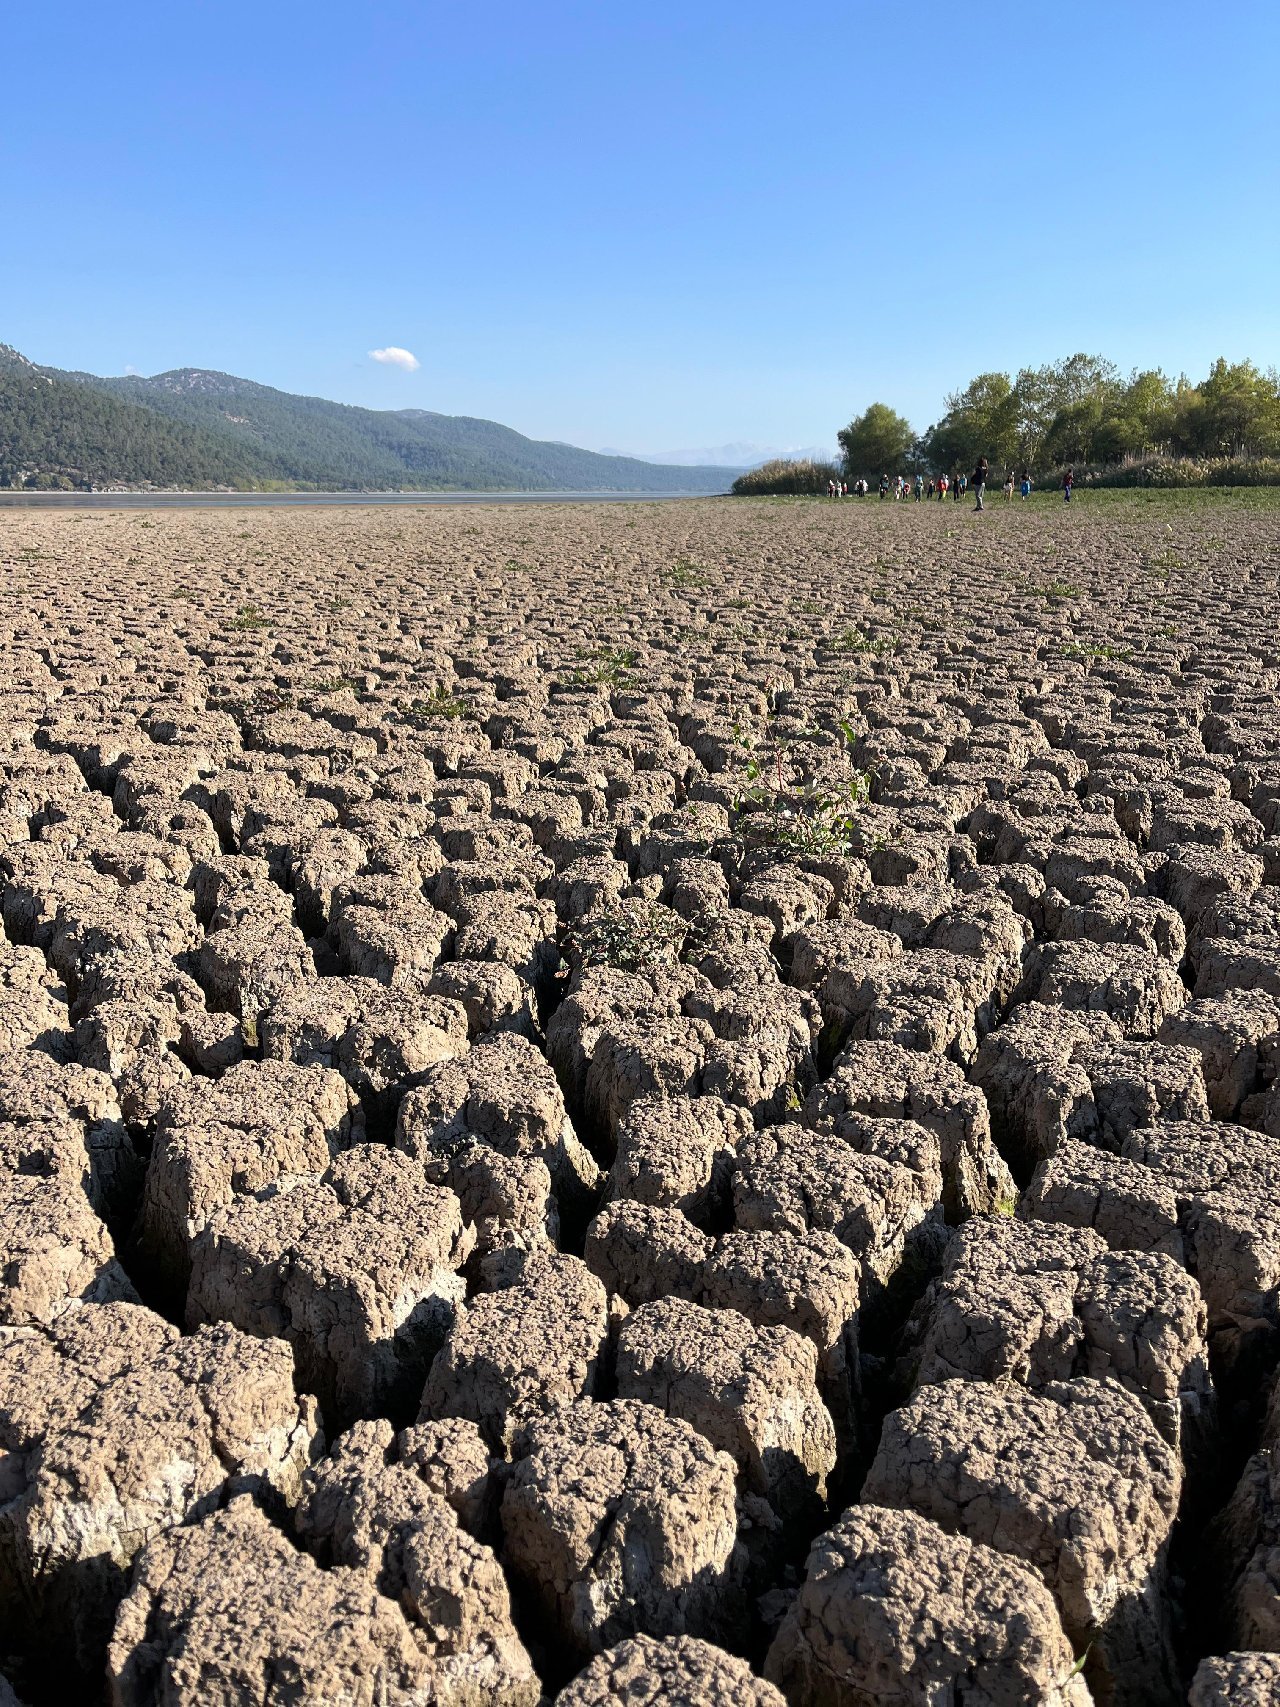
<point x="739" y="455"/>
<point x="197" y="427"/>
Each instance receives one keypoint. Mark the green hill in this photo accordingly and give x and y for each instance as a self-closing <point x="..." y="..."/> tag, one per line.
<point x="194" y="427"/>
<point x="54" y="432"/>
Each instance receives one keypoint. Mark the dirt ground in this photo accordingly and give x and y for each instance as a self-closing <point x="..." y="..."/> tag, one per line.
<point x="644" y="1102"/>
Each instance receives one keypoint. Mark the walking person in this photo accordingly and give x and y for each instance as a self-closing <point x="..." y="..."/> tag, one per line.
<point x="942" y="487"/>
<point x="1068" y="481"/>
<point x="1008" y="487"/>
<point x="979" y="482"/>
<point x="1026" y="483"/>
<point x="919" y="490"/>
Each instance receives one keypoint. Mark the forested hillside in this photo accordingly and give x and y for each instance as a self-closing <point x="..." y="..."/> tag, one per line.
<point x="56" y="433"/>
<point x="193" y="427"/>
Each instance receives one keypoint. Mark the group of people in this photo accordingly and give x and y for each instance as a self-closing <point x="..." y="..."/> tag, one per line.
<point x="919" y="489"/>
<point x="958" y="484"/>
<point x="842" y="488"/>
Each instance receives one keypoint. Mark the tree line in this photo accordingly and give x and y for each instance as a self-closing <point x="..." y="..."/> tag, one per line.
<point x="1081" y="411"/>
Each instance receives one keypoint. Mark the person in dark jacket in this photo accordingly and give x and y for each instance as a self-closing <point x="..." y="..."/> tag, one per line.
<point x="979" y="481"/>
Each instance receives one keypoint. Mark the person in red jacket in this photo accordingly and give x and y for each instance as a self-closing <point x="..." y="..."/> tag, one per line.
<point x="1068" y="481"/>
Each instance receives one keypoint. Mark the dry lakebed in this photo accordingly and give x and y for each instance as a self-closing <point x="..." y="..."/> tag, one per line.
<point x="641" y="1103"/>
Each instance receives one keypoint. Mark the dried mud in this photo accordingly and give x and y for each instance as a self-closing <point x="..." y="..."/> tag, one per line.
<point x="672" y="1103"/>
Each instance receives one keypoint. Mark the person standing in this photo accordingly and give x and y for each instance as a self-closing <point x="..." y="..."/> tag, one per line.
<point x="919" y="490"/>
<point x="942" y="487"/>
<point x="1026" y="483"/>
<point x="1068" y="481"/>
<point x="979" y="482"/>
<point x="1008" y="487"/>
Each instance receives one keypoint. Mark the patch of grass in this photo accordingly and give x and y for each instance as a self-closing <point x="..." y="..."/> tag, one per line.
<point x="514" y="566"/>
<point x="1164" y="562"/>
<point x="1091" y="649"/>
<point x="683" y="573"/>
<point x="852" y="640"/>
<point x="602" y="666"/>
<point x="249" y="617"/>
<point x="1053" y="590"/>
<point x="440" y="703"/>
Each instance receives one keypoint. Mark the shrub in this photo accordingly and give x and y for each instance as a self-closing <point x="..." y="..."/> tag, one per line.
<point x="787" y="479"/>
<point x="1175" y="471"/>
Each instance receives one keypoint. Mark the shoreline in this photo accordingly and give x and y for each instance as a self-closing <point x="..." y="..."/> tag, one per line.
<point x="183" y="500"/>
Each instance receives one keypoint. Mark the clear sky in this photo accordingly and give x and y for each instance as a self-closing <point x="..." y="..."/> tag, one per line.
<point x="645" y="226"/>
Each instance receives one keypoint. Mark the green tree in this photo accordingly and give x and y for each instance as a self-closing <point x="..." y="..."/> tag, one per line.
<point x="877" y="442"/>
<point x="980" y="421"/>
<point x="1237" y="411"/>
<point x="1060" y="389"/>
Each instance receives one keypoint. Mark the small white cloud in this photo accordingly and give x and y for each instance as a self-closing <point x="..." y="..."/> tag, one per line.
<point x="131" y="372"/>
<point x="394" y="356"/>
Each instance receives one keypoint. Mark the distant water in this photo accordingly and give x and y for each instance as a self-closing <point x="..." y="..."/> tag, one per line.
<point x="280" y="500"/>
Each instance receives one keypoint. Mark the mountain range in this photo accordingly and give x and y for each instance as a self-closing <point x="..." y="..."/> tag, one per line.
<point x="194" y="428"/>
<point x="739" y="456"/>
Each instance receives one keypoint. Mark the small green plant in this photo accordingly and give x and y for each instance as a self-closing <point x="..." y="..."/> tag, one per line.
<point x="1165" y="562"/>
<point x="249" y="617"/>
<point x="683" y="573"/>
<point x="1059" y="590"/>
<point x="802" y="820"/>
<point x="852" y="640"/>
<point x="440" y="703"/>
<point x="602" y="666"/>
<point x="1080" y="1664"/>
<point x="514" y="566"/>
<point x="1091" y="650"/>
<point x="338" y="603"/>
<point x="635" y="937"/>
<point x="338" y="684"/>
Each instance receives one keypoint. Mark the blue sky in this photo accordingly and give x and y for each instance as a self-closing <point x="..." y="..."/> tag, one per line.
<point x="645" y="226"/>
